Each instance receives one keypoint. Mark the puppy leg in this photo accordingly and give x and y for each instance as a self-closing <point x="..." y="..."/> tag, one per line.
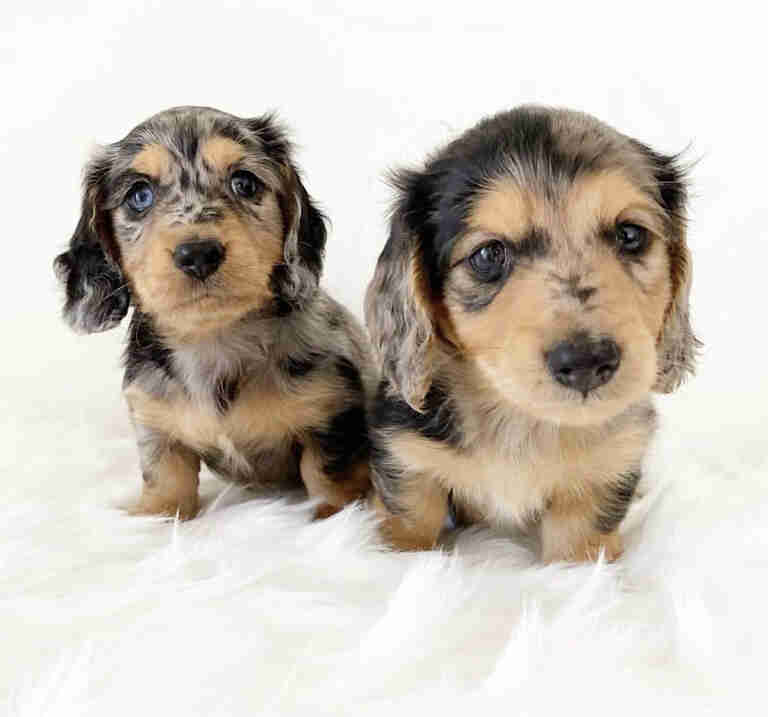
<point x="335" y="487"/>
<point x="572" y="530"/>
<point x="418" y="520"/>
<point x="334" y="461"/>
<point x="171" y="476"/>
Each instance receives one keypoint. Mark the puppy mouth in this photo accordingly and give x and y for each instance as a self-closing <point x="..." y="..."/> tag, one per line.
<point x="205" y="297"/>
<point x="201" y="297"/>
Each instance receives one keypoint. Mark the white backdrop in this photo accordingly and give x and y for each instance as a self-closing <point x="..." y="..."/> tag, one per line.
<point x="364" y="87"/>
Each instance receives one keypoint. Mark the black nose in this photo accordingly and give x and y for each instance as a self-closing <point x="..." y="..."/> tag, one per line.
<point x="583" y="364"/>
<point x="199" y="257"/>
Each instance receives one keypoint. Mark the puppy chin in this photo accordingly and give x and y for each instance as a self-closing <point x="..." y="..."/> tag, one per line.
<point x="201" y="316"/>
<point x="577" y="411"/>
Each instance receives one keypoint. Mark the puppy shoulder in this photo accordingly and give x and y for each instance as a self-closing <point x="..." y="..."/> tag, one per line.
<point x="439" y="420"/>
<point x="331" y="335"/>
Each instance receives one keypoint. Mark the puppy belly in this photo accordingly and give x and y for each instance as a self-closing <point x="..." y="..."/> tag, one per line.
<point x="256" y="463"/>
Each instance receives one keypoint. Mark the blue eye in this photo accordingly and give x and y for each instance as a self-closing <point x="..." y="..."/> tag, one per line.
<point x="140" y="197"/>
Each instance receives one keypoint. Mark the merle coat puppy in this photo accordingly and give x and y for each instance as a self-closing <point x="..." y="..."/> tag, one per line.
<point x="200" y="221"/>
<point x="532" y="295"/>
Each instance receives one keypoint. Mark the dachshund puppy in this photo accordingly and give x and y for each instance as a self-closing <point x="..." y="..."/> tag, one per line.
<point x="235" y="357"/>
<point x="532" y="294"/>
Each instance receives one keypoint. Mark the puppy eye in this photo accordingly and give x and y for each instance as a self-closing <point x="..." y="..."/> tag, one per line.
<point x="140" y="197"/>
<point x="245" y="184"/>
<point x="631" y="238"/>
<point x="489" y="261"/>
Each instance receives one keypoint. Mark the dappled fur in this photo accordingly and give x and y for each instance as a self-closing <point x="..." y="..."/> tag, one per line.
<point x="469" y="419"/>
<point x="253" y="370"/>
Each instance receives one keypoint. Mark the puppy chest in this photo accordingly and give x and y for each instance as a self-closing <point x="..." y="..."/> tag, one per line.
<point x="498" y="486"/>
<point x="506" y="489"/>
<point x="508" y="485"/>
<point x="254" y="418"/>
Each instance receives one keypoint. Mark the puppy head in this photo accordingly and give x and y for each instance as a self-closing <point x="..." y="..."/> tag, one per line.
<point x="548" y="251"/>
<point x="199" y="218"/>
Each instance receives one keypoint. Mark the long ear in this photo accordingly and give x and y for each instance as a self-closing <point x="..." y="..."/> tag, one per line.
<point x="296" y="280"/>
<point x="399" y="316"/>
<point x="97" y="297"/>
<point x="677" y="345"/>
<point x="304" y="246"/>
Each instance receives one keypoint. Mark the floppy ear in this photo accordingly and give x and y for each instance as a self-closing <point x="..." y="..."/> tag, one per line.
<point x="97" y="297"/>
<point x="296" y="280"/>
<point x="398" y="313"/>
<point x="304" y="246"/>
<point x="677" y="345"/>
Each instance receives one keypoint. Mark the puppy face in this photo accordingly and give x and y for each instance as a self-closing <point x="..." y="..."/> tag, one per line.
<point x="546" y="250"/>
<point x="199" y="218"/>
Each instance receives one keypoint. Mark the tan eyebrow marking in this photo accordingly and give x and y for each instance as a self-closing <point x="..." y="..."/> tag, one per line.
<point x="221" y="152"/>
<point x="607" y="197"/>
<point x="153" y="160"/>
<point x="502" y="209"/>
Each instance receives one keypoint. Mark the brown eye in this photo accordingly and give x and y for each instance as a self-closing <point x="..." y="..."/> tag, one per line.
<point x="631" y="238"/>
<point x="489" y="261"/>
<point x="246" y="184"/>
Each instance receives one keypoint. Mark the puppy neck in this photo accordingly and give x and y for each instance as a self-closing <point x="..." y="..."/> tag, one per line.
<point x="160" y="358"/>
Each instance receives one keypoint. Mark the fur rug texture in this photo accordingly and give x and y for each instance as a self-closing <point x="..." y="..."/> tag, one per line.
<point x="253" y="609"/>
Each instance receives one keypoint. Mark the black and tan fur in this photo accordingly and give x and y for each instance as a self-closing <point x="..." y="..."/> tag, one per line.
<point x="253" y="369"/>
<point x="469" y="419"/>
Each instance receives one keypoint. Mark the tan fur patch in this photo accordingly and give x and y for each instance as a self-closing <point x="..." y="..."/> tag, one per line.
<point x="505" y="209"/>
<point x="568" y="532"/>
<point x="153" y="160"/>
<point x="424" y="510"/>
<point x="261" y="415"/>
<point x="222" y="152"/>
<point x="172" y="488"/>
<point x="607" y="198"/>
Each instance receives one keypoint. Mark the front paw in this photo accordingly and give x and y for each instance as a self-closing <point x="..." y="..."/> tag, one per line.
<point x="184" y="508"/>
<point x="588" y="550"/>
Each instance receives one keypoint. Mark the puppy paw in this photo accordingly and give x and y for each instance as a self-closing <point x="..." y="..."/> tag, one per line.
<point x="185" y="508"/>
<point x="611" y="546"/>
<point x="325" y="510"/>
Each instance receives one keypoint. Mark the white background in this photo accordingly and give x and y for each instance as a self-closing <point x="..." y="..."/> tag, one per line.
<point x="365" y="87"/>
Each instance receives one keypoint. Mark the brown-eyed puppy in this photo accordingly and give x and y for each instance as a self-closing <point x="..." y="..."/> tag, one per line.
<point x="235" y="357"/>
<point x="532" y="294"/>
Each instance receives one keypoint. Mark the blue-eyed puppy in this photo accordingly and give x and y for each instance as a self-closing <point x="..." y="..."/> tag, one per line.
<point x="200" y="221"/>
<point x="532" y="295"/>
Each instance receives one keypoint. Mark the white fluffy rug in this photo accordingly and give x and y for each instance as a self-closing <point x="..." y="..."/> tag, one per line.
<point x="253" y="609"/>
